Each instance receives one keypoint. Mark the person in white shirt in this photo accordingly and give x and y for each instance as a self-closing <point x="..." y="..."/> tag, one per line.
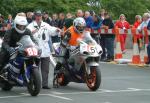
<point x="146" y="19"/>
<point x="42" y="31"/>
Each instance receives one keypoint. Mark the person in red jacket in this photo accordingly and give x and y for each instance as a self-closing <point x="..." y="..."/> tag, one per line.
<point x="122" y="24"/>
<point x="138" y="21"/>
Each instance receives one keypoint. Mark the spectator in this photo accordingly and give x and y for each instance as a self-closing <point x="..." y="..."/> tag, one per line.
<point x="95" y="26"/>
<point x="21" y="14"/>
<point x="88" y="19"/>
<point x="80" y="13"/>
<point x="97" y="22"/>
<point x="41" y="32"/>
<point x="68" y="21"/>
<point x="145" y="24"/>
<point x="109" y="38"/>
<point x="54" y="21"/>
<point x="146" y="19"/>
<point x="46" y="18"/>
<point x="10" y="22"/>
<point x="3" y="26"/>
<point x="69" y="15"/>
<point x="61" y="20"/>
<point x="148" y="47"/>
<point x="92" y="13"/>
<point x="102" y="37"/>
<point x="102" y="12"/>
<point x="122" y="24"/>
<point x="138" y="21"/>
<point x="29" y="17"/>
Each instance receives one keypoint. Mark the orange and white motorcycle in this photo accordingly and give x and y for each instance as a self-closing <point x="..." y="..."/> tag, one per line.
<point x="82" y="65"/>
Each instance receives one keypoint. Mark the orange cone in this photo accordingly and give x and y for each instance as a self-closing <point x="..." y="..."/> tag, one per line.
<point x="146" y="44"/>
<point x="145" y="54"/>
<point x="118" y="54"/>
<point x="136" y="55"/>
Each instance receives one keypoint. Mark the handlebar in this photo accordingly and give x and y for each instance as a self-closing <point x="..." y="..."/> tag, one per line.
<point x="17" y="48"/>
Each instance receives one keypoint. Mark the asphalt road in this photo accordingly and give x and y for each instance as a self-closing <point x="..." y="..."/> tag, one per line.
<point x="120" y="84"/>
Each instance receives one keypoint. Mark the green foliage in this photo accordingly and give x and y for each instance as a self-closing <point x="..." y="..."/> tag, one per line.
<point x="7" y="7"/>
<point x="128" y="7"/>
<point x="115" y="7"/>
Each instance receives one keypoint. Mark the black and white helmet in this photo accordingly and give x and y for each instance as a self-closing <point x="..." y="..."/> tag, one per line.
<point x="79" y="24"/>
<point x="20" y="24"/>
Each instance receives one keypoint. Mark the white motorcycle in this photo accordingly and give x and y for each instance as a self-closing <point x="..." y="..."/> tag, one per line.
<point x="82" y="66"/>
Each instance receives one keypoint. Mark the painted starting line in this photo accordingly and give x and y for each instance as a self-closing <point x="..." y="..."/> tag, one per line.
<point x="104" y="91"/>
<point x="58" y="94"/>
<point x="26" y="95"/>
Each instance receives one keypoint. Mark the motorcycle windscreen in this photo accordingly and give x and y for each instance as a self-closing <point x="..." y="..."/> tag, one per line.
<point x="87" y="38"/>
<point x="26" y="41"/>
<point x="91" y="44"/>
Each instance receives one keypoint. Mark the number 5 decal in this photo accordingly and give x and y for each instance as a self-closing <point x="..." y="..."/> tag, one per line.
<point x="92" y="49"/>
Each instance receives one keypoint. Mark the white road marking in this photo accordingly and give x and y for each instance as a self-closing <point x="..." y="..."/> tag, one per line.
<point x="107" y="102"/>
<point x="105" y="91"/>
<point x="60" y="97"/>
<point x="52" y="95"/>
<point x="57" y="94"/>
<point x="5" y="97"/>
<point x="27" y="94"/>
<point x="54" y="92"/>
<point x="114" y="64"/>
<point x="135" y="89"/>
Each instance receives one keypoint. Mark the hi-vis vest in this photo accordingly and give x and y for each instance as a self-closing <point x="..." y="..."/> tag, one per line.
<point x="74" y="36"/>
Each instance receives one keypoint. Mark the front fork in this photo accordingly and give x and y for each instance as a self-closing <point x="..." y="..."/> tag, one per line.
<point x="89" y="65"/>
<point x="28" y="67"/>
<point x="26" y="73"/>
<point x="87" y="69"/>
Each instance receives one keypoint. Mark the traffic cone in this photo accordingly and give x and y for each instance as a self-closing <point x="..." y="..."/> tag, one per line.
<point x="146" y="44"/>
<point x="118" y="54"/>
<point x="136" y="54"/>
<point x="145" y="54"/>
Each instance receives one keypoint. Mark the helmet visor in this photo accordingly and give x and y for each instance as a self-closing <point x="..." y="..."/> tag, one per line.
<point x="80" y="28"/>
<point x="20" y="27"/>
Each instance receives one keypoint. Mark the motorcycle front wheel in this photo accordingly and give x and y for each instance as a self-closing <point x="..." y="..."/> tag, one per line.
<point x="34" y="85"/>
<point x="93" y="80"/>
<point x="6" y="86"/>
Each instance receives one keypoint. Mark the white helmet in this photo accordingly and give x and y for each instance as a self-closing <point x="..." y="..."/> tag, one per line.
<point x="20" y="24"/>
<point x="79" y="24"/>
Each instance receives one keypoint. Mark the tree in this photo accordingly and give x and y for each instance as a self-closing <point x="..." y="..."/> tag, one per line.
<point x="7" y="7"/>
<point x="115" y="7"/>
<point x="128" y="7"/>
<point x="95" y="5"/>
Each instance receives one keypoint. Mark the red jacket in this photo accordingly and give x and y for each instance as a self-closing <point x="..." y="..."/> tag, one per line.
<point x="122" y="25"/>
<point x="136" y="24"/>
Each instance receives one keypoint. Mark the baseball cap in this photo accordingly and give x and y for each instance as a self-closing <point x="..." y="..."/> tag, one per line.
<point x="38" y="13"/>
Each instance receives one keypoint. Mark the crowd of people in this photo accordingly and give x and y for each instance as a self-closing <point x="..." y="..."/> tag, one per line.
<point x="93" y="21"/>
<point x="48" y="29"/>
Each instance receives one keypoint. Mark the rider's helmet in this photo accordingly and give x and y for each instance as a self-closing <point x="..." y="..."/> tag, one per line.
<point x="79" y="24"/>
<point x="20" y="24"/>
